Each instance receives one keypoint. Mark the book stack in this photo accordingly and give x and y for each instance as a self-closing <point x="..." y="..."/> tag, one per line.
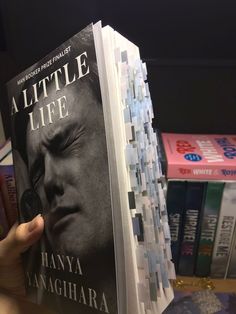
<point x="8" y="203"/>
<point x="201" y="202"/>
<point x="85" y="157"/>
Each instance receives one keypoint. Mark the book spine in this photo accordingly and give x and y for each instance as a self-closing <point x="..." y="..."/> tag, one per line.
<point x="224" y="232"/>
<point x="4" y="227"/>
<point x="208" y="227"/>
<point x="8" y="187"/>
<point x="176" y="192"/>
<point x="200" y="172"/>
<point x="231" y="271"/>
<point x="191" y="227"/>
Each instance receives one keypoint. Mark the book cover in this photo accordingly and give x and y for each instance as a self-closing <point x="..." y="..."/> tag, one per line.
<point x="176" y="193"/>
<point x="201" y="157"/>
<point x="191" y="227"/>
<point x="62" y="172"/>
<point x="224" y="232"/>
<point x="74" y="115"/>
<point x="209" y="221"/>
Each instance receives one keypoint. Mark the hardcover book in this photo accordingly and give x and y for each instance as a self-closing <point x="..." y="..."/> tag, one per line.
<point x="194" y="201"/>
<point x="201" y="157"/>
<point x="224" y="232"/>
<point x="209" y="222"/>
<point x="85" y="158"/>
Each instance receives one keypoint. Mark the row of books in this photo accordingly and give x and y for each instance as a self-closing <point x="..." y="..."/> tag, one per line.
<point x="201" y="203"/>
<point x="202" y="218"/>
<point x="8" y="202"/>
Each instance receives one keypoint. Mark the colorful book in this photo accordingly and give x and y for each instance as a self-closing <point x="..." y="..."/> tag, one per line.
<point x="4" y="226"/>
<point x="195" y="195"/>
<point x="176" y="193"/>
<point x="85" y="158"/>
<point x="8" y="189"/>
<point x="201" y="157"/>
<point x="224" y="232"/>
<point x="209" y="221"/>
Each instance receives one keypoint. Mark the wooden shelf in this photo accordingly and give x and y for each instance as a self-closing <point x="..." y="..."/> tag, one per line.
<point x="195" y="283"/>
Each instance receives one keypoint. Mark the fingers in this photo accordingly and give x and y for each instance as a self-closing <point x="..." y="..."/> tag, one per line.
<point x="20" y="238"/>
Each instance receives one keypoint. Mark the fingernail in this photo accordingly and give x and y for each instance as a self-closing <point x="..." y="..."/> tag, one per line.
<point x="33" y="224"/>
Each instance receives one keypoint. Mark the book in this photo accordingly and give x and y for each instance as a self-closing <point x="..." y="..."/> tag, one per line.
<point x="194" y="201"/>
<point x="224" y="232"/>
<point x="208" y="224"/>
<point x="200" y="156"/>
<point x="231" y="271"/>
<point x="2" y="132"/>
<point x="85" y="158"/>
<point x="176" y="194"/>
<point x="8" y="188"/>
<point x="4" y="226"/>
<point x="5" y="149"/>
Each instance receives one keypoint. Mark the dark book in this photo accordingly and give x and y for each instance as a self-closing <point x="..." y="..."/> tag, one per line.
<point x="208" y="228"/>
<point x="84" y="156"/>
<point x="191" y="227"/>
<point x="176" y="194"/>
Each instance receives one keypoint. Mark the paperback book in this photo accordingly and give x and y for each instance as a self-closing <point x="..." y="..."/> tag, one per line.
<point x="8" y="188"/>
<point x="224" y="232"/>
<point x="85" y="158"/>
<point x="195" y="196"/>
<point x="208" y="227"/>
<point x="4" y="226"/>
<point x="176" y="194"/>
<point x="200" y="157"/>
<point x="231" y="271"/>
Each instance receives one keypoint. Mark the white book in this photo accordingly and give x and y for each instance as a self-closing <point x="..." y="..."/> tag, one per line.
<point x="224" y="232"/>
<point x="231" y="271"/>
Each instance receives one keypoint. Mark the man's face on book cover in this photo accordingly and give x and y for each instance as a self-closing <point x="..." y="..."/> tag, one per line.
<point x="69" y="171"/>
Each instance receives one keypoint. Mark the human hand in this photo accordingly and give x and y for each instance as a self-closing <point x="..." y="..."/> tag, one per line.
<point x="12" y="287"/>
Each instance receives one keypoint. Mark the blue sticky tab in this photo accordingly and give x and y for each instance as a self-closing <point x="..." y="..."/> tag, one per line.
<point x="152" y="262"/>
<point x="136" y="228"/>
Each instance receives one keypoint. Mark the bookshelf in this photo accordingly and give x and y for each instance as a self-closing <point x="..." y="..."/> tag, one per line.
<point x="183" y="283"/>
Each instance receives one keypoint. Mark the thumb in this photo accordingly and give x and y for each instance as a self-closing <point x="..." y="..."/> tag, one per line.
<point x="20" y="238"/>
